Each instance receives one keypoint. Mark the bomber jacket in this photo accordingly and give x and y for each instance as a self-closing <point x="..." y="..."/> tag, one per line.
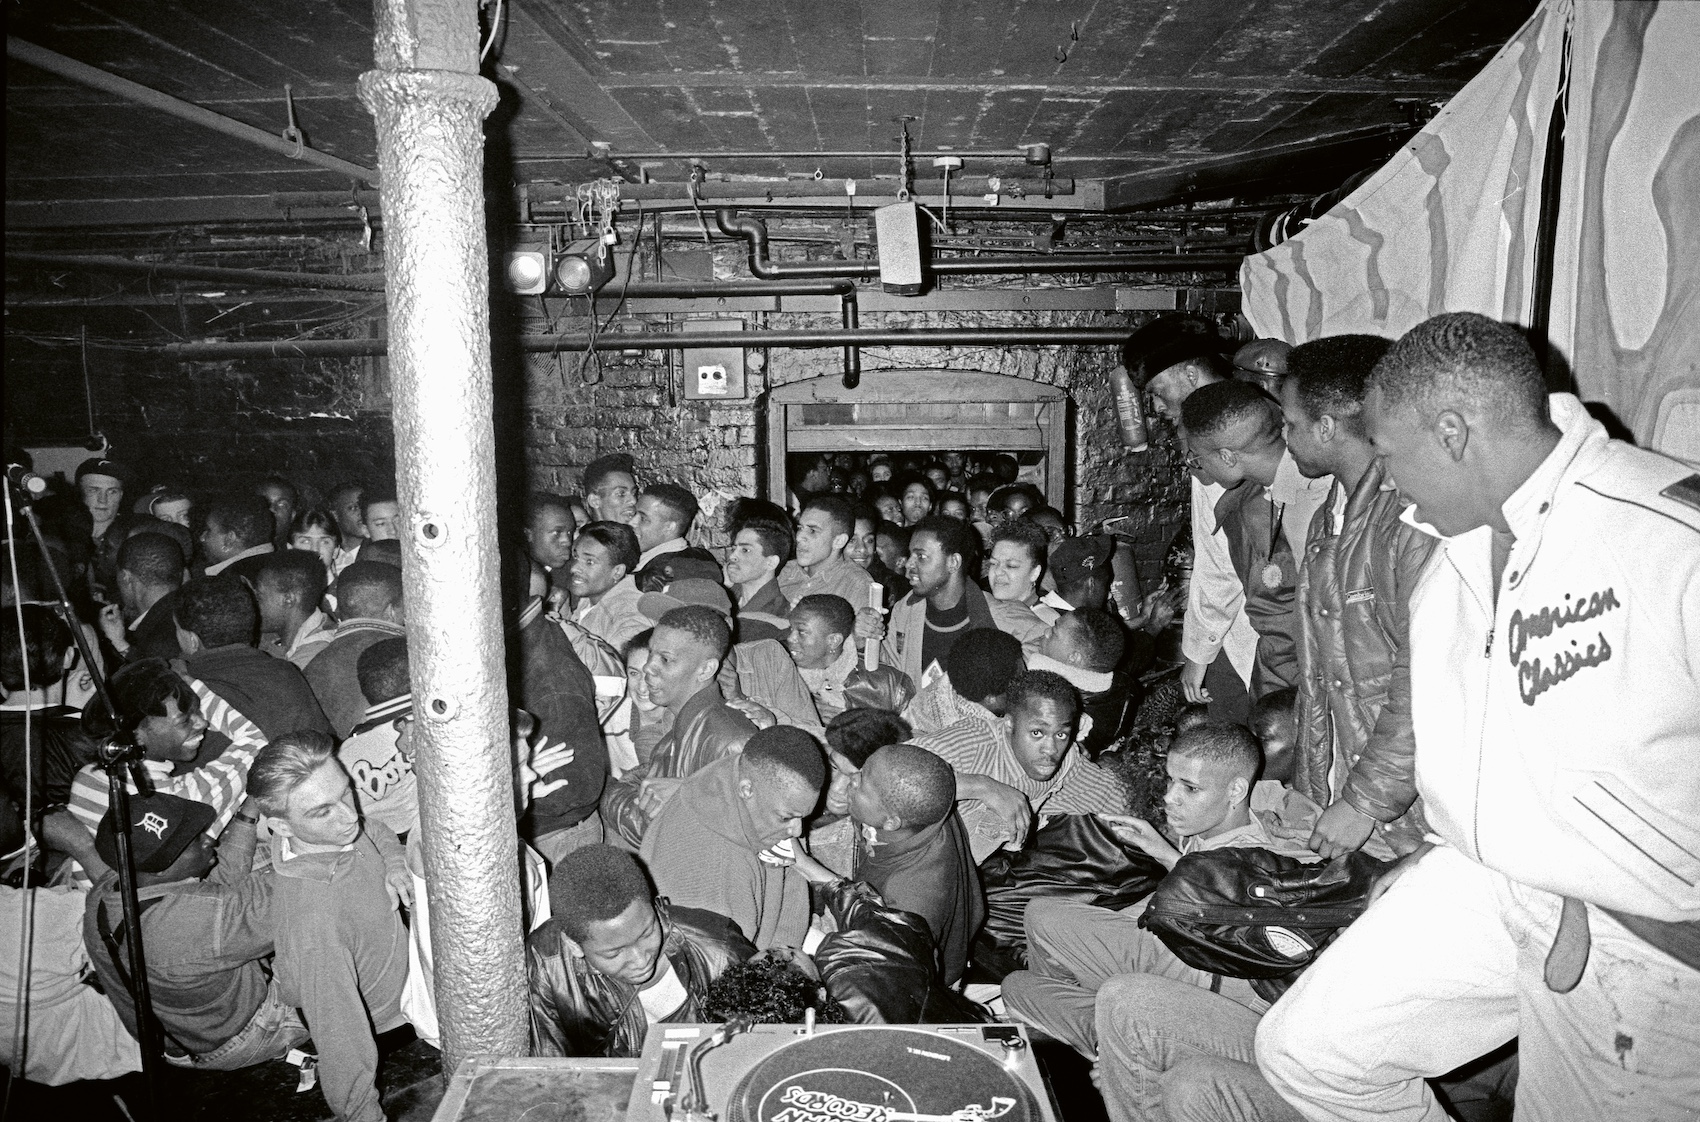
<point x="1354" y="711"/>
<point x="576" y="1011"/>
<point x="705" y="730"/>
<point x="1558" y="723"/>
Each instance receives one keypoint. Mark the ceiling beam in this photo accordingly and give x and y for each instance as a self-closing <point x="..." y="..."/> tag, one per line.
<point x="551" y="72"/>
<point x="1275" y="83"/>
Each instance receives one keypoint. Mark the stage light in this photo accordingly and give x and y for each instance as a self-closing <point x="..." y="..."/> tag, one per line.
<point x="528" y="268"/>
<point x="583" y="267"/>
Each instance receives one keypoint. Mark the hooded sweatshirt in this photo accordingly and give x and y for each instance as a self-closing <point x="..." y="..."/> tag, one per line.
<point x="701" y="849"/>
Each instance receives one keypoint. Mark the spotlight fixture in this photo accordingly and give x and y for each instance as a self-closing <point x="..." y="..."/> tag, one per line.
<point x="583" y="267"/>
<point x="528" y="268"/>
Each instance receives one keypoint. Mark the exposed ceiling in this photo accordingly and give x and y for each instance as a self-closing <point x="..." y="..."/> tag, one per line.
<point x="1118" y="88"/>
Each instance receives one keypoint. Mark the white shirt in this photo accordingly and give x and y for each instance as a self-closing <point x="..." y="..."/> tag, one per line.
<point x="252" y="551"/>
<point x="676" y="545"/>
<point x="665" y="995"/>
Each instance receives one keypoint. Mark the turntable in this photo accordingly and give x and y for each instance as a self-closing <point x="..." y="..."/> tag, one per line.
<point x="839" y="1073"/>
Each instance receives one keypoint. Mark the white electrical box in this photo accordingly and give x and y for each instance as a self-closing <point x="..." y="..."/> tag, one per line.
<point x="714" y="373"/>
<point x="897" y="234"/>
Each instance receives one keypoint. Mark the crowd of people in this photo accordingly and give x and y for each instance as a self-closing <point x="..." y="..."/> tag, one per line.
<point x="1398" y="626"/>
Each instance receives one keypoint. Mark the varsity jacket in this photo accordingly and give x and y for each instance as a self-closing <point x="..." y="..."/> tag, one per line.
<point x="1558" y="730"/>
<point x="1354" y="711"/>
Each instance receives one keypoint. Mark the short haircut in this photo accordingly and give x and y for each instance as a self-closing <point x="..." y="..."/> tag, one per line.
<point x="315" y="520"/>
<point x="1191" y="717"/>
<point x="139" y="690"/>
<point x="276" y="480"/>
<point x="857" y="734"/>
<point x="638" y="642"/>
<point x="155" y="559"/>
<point x="919" y="787"/>
<point x="898" y="534"/>
<point x="539" y="501"/>
<point x="618" y="539"/>
<point x="1331" y="376"/>
<point x="301" y="576"/>
<point x="1024" y="534"/>
<point x="1033" y="686"/>
<point x="285" y="764"/>
<point x="219" y="610"/>
<point x="837" y="510"/>
<point x="917" y="480"/>
<point x="342" y="492"/>
<point x="599" y="469"/>
<point x="982" y="663"/>
<point x="834" y="611"/>
<point x="594" y="884"/>
<point x="954" y="535"/>
<point x="382" y="670"/>
<point x="367" y="588"/>
<point x="1218" y="742"/>
<point x="704" y="625"/>
<point x="775" y="537"/>
<point x="678" y="502"/>
<point x="384" y="552"/>
<point x="865" y="512"/>
<point x="45" y="641"/>
<point x="1098" y="636"/>
<point x="1462" y="358"/>
<point x="999" y="499"/>
<point x="249" y="517"/>
<point x="982" y="481"/>
<point x="177" y="532"/>
<point x="1212" y="409"/>
<point x="372" y="498"/>
<point x="785" y="751"/>
<point x="1273" y="709"/>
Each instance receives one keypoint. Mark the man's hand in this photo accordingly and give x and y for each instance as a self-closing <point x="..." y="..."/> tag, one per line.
<point x="398" y="882"/>
<point x="654" y="795"/>
<point x="1385" y="880"/>
<point x="1343" y="828"/>
<point x="1009" y="807"/>
<point x="1192" y="682"/>
<point x="760" y="715"/>
<point x="543" y="759"/>
<point x="870" y="624"/>
<point x="112" y="626"/>
<point x="813" y="871"/>
<point x="1143" y="834"/>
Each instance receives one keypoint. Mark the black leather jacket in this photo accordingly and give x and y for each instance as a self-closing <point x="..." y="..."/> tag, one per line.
<point x="576" y="1011"/>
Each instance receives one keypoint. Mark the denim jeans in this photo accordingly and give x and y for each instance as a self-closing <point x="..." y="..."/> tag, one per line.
<point x="270" y="1033"/>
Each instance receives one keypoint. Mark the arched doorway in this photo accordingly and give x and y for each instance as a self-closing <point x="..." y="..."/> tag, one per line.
<point x="900" y="411"/>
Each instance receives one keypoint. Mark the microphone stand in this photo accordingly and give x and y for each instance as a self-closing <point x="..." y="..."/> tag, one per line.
<point x="116" y="757"/>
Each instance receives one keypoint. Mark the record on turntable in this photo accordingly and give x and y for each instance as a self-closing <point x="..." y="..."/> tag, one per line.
<point x="879" y="1075"/>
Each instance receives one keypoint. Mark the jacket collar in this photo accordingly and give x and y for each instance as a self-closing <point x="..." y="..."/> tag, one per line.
<point x="215" y="569"/>
<point x="1086" y="681"/>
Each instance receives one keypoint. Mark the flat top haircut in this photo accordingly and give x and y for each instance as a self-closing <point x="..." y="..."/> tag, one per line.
<point x="539" y="501"/>
<point x="916" y="785"/>
<point x="219" y="610"/>
<point x="594" y="884"/>
<point x="1220" y="406"/>
<point x="1218" y="742"/>
<point x="284" y="765"/>
<point x="857" y="734"/>
<point x="1462" y="358"/>
<point x="834" y="611"/>
<point x="982" y="662"/>
<point x="999" y="499"/>
<point x="46" y="639"/>
<point x="1024" y="534"/>
<point x="382" y="670"/>
<point x="299" y="575"/>
<point x="155" y="560"/>
<point x="785" y="751"/>
<point x="1032" y="686"/>
<point x="836" y="508"/>
<point x="249" y="517"/>
<point x="680" y="503"/>
<point x="1099" y="638"/>
<point x="1331" y="376"/>
<point x="704" y="625"/>
<point x="619" y="539"/>
<point x="775" y="537"/>
<point x="599" y="469"/>
<point x="952" y="534"/>
<point x="366" y="588"/>
<point x="139" y="689"/>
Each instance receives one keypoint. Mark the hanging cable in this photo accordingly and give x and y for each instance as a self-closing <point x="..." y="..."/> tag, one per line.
<point x="26" y="923"/>
<point x="495" y="26"/>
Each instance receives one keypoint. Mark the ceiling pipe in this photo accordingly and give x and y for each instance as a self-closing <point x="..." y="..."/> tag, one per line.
<point x="82" y="73"/>
<point x="256" y="278"/>
<point x="680" y="340"/>
<point x="753" y="231"/>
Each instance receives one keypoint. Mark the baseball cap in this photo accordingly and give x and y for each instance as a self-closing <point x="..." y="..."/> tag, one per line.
<point x="1267" y="357"/>
<point x="161" y="828"/>
<point x="97" y="465"/>
<point x="1075" y="559"/>
<point x="683" y="594"/>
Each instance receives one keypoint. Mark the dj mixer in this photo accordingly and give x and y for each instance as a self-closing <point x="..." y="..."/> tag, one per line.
<point x="839" y="1073"/>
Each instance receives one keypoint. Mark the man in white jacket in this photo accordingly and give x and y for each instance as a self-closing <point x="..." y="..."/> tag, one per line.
<point x="1555" y="672"/>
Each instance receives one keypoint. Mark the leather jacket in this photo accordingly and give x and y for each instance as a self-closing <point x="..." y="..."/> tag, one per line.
<point x="879" y="964"/>
<point x="576" y="1011"/>
<point x="1355" y="739"/>
<point x="706" y="729"/>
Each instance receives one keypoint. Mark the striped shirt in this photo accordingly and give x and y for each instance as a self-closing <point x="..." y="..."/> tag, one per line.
<point x="979" y="745"/>
<point x="220" y="784"/>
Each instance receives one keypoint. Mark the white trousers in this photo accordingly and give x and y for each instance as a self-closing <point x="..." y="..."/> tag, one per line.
<point x="1446" y="966"/>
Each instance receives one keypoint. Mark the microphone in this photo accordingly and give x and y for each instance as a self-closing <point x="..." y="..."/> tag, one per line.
<point x="26" y="480"/>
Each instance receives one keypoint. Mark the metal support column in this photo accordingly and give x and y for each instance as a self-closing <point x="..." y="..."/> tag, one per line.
<point x="429" y="104"/>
